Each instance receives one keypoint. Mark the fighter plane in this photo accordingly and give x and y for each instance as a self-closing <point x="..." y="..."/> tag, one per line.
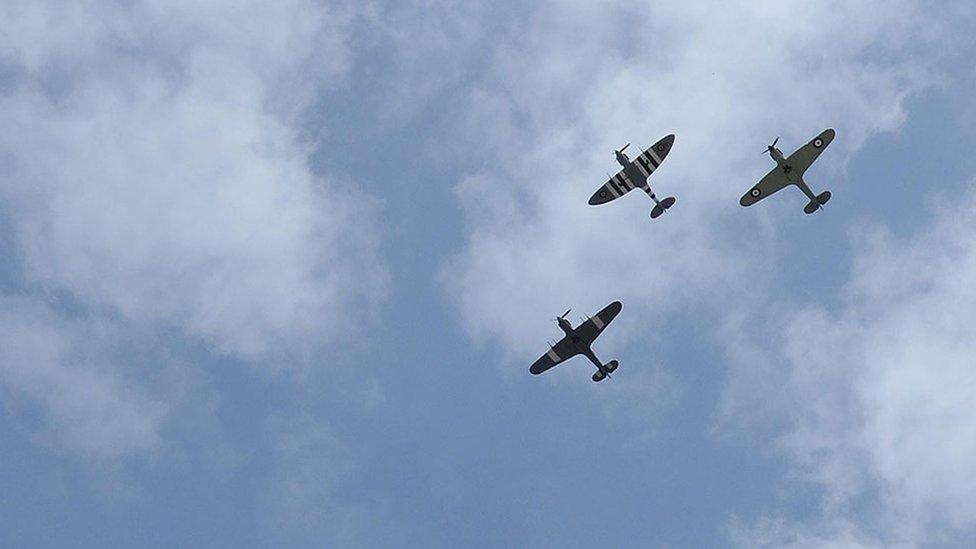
<point x="634" y="174"/>
<point x="789" y="171"/>
<point x="578" y="341"/>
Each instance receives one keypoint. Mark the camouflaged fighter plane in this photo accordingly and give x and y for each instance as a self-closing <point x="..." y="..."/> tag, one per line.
<point x="634" y="174"/>
<point x="789" y="171"/>
<point x="578" y="341"/>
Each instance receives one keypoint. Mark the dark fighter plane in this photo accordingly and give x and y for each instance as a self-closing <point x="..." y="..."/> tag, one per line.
<point x="578" y="341"/>
<point x="634" y="174"/>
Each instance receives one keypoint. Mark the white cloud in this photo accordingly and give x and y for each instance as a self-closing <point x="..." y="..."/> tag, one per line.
<point x="67" y="367"/>
<point x="575" y="82"/>
<point x="162" y="180"/>
<point x="153" y="173"/>
<point x="879" y="394"/>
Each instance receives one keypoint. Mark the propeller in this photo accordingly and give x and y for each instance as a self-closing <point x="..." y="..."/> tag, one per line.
<point x="624" y="148"/>
<point x="562" y="316"/>
<point x="771" y="147"/>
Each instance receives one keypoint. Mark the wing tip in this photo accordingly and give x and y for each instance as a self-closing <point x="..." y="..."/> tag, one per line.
<point x="596" y="199"/>
<point x="666" y="140"/>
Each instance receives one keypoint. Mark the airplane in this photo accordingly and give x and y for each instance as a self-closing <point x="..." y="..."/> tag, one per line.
<point x="789" y="171"/>
<point x="578" y="341"/>
<point x="634" y="174"/>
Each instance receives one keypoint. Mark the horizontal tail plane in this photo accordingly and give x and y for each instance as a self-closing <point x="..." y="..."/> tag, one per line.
<point x="815" y="205"/>
<point x="662" y="207"/>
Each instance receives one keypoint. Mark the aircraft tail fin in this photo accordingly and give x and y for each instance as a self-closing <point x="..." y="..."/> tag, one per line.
<point x="815" y="205"/>
<point x="662" y="207"/>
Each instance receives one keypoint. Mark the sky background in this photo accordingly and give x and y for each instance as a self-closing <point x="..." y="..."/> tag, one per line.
<point x="272" y="274"/>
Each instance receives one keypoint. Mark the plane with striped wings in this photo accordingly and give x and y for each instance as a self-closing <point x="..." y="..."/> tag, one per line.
<point x="789" y="171"/>
<point x="579" y="341"/>
<point x="634" y="175"/>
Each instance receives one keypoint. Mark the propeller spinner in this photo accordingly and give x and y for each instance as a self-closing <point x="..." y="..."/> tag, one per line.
<point x="769" y="148"/>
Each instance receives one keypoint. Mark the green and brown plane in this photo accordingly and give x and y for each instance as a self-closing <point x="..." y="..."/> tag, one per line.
<point x="789" y="171"/>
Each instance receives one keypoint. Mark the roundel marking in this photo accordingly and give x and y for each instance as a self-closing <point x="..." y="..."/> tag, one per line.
<point x="755" y="192"/>
<point x="660" y="147"/>
<point x="818" y="142"/>
<point x="603" y="194"/>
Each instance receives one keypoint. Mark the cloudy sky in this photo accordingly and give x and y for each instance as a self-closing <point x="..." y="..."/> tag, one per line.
<point x="271" y="274"/>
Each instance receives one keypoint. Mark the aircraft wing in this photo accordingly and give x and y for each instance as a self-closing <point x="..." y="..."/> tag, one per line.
<point x="558" y="353"/>
<point x="769" y="184"/>
<point x="615" y="187"/>
<point x="807" y="154"/>
<point x="591" y="329"/>
<point x="650" y="159"/>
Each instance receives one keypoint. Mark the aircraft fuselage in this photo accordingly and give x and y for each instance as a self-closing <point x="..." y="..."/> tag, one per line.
<point x="791" y="175"/>
<point x="634" y="173"/>
<point x="596" y="361"/>
<point x="622" y="158"/>
<point x="777" y="156"/>
<point x="567" y="328"/>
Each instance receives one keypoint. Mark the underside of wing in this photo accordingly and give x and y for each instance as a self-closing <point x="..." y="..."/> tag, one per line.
<point x="591" y="329"/>
<point x="557" y="353"/>
<point x="615" y="187"/>
<point x="650" y="159"/>
<point x="808" y="154"/>
<point x="773" y="181"/>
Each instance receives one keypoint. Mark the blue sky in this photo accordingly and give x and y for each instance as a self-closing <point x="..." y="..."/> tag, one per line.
<point x="273" y="275"/>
